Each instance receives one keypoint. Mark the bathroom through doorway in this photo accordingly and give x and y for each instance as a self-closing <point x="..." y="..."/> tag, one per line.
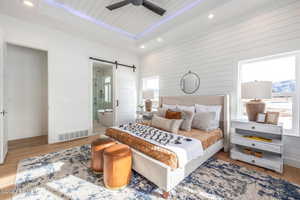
<point x="103" y="95"/>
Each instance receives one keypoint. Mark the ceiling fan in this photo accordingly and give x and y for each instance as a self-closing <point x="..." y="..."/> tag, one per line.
<point x="151" y="6"/>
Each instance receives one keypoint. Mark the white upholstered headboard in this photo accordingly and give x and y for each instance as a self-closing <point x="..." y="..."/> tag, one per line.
<point x="222" y="100"/>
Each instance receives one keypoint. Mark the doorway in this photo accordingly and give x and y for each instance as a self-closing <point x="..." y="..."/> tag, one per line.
<point x="26" y="92"/>
<point x="103" y="96"/>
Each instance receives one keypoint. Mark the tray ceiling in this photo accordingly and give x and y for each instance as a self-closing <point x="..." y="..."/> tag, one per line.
<point x="133" y="21"/>
<point x="89" y="19"/>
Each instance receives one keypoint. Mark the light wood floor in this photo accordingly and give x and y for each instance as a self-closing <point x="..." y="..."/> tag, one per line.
<point x="26" y="148"/>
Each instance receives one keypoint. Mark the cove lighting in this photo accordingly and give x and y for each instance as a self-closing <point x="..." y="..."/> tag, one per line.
<point x="89" y="18"/>
<point x="169" y="17"/>
<point x="151" y="28"/>
<point x="28" y="3"/>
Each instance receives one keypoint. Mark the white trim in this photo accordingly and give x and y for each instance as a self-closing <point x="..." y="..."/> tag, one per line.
<point x="91" y="105"/>
<point x="270" y="57"/>
<point x="296" y="107"/>
<point x="291" y="162"/>
<point x="51" y="131"/>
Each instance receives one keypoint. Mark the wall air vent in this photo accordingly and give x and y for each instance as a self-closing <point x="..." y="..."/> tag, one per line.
<point x="72" y="135"/>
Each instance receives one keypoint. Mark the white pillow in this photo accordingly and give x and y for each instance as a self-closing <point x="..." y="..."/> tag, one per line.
<point x="170" y="125"/>
<point x="205" y="121"/>
<point x="161" y="112"/>
<point x="187" y="117"/>
<point x="205" y="108"/>
<point x="186" y="108"/>
<point x="168" y="106"/>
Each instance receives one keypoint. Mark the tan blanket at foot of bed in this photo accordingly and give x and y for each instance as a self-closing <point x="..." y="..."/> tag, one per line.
<point x="161" y="154"/>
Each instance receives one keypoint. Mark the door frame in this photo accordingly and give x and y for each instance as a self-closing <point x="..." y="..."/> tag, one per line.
<point x="3" y="133"/>
<point x="91" y="93"/>
<point x="50" y="122"/>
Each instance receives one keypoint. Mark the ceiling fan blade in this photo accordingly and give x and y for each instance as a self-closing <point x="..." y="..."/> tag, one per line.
<point x="158" y="10"/>
<point x="118" y="5"/>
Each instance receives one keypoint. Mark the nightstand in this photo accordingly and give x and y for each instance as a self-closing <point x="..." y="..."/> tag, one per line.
<point x="269" y="154"/>
<point x="144" y="115"/>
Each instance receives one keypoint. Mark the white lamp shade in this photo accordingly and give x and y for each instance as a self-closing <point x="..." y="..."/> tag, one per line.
<point x="148" y="94"/>
<point x="257" y="90"/>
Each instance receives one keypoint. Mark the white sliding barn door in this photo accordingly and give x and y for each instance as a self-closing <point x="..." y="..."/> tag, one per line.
<point x="3" y="124"/>
<point x="126" y="95"/>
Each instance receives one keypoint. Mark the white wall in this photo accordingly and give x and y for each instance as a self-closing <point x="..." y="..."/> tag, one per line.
<point x="26" y="92"/>
<point x="68" y="70"/>
<point x="214" y="54"/>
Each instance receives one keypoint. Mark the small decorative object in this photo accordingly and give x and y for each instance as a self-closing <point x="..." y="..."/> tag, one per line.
<point x="258" y="138"/>
<point x="258" y="154"/>
<point x="261" y="117"/>
<point x="256" y="91"/>
<point x="190" y="83"/>
<point x="272" y="118"/>
<point x="148" y="95"/>
<point x="247" y="151"/>
<point x="141" y="107"/>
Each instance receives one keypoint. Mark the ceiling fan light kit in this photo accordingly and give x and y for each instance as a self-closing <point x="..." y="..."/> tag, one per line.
<point x="147" y="4"/>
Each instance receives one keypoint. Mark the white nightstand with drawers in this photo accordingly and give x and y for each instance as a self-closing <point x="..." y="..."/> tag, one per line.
<point x="272" y="151"/>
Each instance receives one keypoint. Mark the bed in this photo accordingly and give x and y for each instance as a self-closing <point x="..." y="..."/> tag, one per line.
<point x="162" y="171"/>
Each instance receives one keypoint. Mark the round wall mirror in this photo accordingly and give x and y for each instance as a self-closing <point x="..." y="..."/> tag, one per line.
<point x="190" y="83"/>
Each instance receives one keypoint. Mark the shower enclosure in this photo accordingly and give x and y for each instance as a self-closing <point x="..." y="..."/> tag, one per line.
<point x="102" y="96"/>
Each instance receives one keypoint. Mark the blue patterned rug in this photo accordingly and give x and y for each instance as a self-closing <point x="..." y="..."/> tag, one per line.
<point x="65" y="175"/>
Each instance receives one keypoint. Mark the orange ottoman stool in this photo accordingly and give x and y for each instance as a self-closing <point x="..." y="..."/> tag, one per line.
<point x="117" y="166"/>
<point x="97" y="148"/>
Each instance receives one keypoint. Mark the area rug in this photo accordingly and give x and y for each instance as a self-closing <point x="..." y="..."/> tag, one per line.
<point x="66" y="175"/>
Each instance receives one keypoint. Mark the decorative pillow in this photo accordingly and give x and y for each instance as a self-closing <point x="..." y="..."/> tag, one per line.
<point x="205" y="108"/>
<point x="171" y="107"/>
<point x="170" y="125"/>
<point x="205" y="121"/>
<point x="173" y="114"/>
<point x="161" y="112"/>
<point x="186" y="108"/>
<point x="187" y="117"/>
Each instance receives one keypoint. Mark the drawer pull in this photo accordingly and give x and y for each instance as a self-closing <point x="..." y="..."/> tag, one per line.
<point x="253" y="161"/>
<point x="253" y="127"/>
<point x="253" y="145"/>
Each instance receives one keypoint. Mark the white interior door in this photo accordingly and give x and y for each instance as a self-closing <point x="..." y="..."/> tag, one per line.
<point x="3" y="124"/>
<point x="126" y="95"/>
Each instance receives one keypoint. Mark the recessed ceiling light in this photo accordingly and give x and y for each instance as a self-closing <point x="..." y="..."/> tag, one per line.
<point x="159" y="39"/>
<point x="28" y="3"/>
<point x="142" y="47"/>
<point x="211" y="16"/>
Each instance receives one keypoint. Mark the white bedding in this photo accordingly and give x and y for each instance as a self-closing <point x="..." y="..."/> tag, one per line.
<point x="185" y="148"/>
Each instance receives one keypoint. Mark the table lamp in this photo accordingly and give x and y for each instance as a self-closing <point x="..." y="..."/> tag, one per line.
<point x="148" y="95"/>
<point x="257" y="91"/>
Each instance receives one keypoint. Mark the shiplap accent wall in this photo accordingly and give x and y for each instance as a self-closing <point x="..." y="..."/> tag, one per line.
<point x="215" y="54"/>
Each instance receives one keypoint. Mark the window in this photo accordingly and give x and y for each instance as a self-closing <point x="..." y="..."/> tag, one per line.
<point x="107" y="90"/>
<point x="152" y="83"/>
<point x="282" y="71"/>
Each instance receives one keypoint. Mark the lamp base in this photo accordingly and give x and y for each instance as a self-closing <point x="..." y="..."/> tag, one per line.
<point x="254" y="107"/>
<point x="148" y="105"/>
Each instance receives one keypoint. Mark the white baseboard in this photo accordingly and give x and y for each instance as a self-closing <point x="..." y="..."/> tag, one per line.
<point x="292" y="162"/>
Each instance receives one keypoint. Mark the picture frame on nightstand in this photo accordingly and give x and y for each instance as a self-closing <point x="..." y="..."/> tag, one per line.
<point x="261" y="118"/>
<point x="272" y="118"/>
